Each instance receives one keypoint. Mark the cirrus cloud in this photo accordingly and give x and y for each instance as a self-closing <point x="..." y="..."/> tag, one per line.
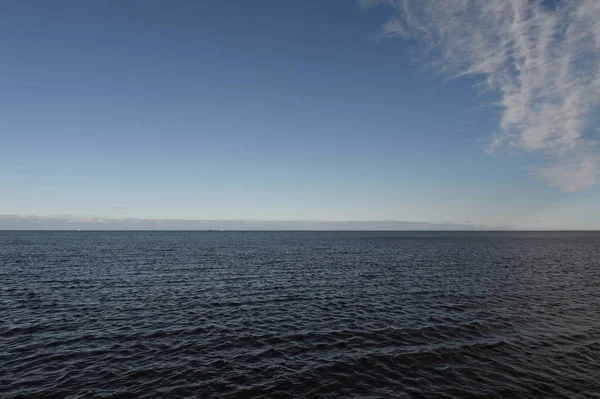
<point x="543" y="60"/>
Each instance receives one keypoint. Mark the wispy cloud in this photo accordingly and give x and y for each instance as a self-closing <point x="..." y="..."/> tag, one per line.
<point x="571" y="174"/>
<point x="544" y="62"/>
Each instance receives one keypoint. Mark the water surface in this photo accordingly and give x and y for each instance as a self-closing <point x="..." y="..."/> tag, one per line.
<point x="300" y="314"/>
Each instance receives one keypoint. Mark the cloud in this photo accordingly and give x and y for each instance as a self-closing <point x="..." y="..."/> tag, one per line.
<point x="573" y="174"/>
<point x="120" y="207"/>
<point x="543" y="62"/>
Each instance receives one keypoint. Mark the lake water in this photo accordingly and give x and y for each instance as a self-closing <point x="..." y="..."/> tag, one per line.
<point x="300" y="314"/>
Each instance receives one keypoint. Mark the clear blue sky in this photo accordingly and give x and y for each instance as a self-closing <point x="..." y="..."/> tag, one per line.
<point x="273" y="110"/>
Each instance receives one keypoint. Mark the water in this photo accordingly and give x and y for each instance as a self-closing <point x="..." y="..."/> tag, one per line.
<point x="299" y="314"/>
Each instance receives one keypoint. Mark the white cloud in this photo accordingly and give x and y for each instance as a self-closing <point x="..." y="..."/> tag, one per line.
<point x="544" y="63"/>
<point x="573" y="174"/>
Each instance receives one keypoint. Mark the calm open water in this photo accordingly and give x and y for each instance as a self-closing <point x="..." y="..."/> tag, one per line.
<point x="300" y="314"/>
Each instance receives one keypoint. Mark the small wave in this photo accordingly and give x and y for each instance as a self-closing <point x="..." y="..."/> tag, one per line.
<point x="326" y="315"/>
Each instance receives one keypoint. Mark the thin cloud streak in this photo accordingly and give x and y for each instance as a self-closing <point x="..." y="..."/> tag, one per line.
<point x="544" y="63"/>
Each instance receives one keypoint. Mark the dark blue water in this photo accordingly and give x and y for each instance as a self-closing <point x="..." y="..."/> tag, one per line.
<point x="299" y="314"/>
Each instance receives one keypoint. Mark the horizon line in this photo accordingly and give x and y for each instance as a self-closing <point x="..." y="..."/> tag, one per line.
<point x="15" y="222"/>
<point x="507" y="230"/>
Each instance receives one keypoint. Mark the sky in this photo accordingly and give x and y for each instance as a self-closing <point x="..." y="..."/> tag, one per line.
<point x="450" y="112"/>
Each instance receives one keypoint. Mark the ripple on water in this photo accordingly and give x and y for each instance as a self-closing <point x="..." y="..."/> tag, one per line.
<point x="265" y="314"/>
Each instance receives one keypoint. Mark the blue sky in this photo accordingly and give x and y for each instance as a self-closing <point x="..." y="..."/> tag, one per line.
<point x="291" y="110"/>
